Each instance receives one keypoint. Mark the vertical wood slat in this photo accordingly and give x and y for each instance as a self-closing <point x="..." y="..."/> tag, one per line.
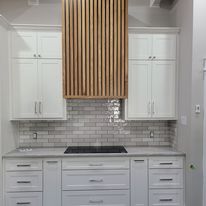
<point x="96" y="52"/>
<point x="64" y="47"/>
<point x="87" y="49"/>
<point x="95" y="49"/>
<point x="99" y="48"/>
<point x="83" y="49"/>
<point x="103" y="48"/>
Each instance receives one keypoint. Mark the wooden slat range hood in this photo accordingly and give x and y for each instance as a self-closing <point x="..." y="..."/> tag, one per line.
<point x="95" y="48"/>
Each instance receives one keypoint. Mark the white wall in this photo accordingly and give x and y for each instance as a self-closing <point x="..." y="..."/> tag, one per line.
<point x="8" y="130"/>
<point x="189" y="15"/>
<point x="140" y="14"/>
<point x="49" y="12"/>
<point x="18" y="12"/>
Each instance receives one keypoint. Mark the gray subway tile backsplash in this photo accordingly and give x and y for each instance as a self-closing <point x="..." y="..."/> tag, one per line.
<point x="96" y="122"/>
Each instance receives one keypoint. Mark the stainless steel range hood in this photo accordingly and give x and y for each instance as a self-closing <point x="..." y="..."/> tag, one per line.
<point x="165" y="4"/>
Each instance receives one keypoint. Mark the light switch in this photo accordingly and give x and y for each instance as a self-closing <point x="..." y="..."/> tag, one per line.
<point x="184" y="120"/>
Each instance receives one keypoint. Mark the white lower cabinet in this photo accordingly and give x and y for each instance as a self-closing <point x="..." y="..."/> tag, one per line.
<point x="123" y="181"/>
<point x="52" y="183"/>
<point x="139" y="182"/>
<point x="26" y="199"/>
<point x="164" y="197"/>
<point x="107" y="197"/>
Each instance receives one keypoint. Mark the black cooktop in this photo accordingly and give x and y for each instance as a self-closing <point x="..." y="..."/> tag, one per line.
<point x="91" y="149"/>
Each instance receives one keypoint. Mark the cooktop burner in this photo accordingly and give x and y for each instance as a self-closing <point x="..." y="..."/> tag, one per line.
<point x="91" y="149"/>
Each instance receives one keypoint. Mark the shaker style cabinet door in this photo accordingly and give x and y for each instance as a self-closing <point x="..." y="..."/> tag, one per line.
<point x="164" y="46"/>
<point x="49" y="45"/>
<point x="140" y="46"/>
<point x="51" y="103"/>
<point x="139" y="95"/>
<point x="163" y="89"/>
<point x="24" y="87"/>
<point x="52" y="182"/>
<point x="24" y="44"/>
<point x="139" y="182"/>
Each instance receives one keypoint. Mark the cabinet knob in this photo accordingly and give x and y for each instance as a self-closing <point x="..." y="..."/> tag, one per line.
<point x="39" y="55"/>
<point x="154" y="57"/>
<point x="34" y="55"/>
<point x="150" y="57"/>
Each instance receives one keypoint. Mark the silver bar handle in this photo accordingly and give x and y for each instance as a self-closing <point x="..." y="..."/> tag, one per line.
<point x="96" y="180"/>
<point x="166" y="163"/>
<point x="23" y="203"/>
<point x="52" y="162"/>
<point x="138" y="160"/>
<point x="153" y="107"/>
<point x="96" y="201"/>
<point x="40" y="107"/>
<point x="166" y="179"/>
<point x="149" y="108"/>
<point x="166" y="200"/>
<point x="96" y="165"/>
<point x="35" y="108"/>
<point x="23" y="165"/>
<point x="23" y="182"/>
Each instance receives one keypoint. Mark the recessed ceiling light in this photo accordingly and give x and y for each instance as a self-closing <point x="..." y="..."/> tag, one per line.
<point x="33" y="2"/>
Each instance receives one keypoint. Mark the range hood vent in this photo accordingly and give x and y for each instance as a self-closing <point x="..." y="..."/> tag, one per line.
<point x="33" y="2"/>
<point x="165" y="4"/>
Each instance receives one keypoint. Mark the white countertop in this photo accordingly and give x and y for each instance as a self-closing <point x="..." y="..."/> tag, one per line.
<point x="59" y="152"/>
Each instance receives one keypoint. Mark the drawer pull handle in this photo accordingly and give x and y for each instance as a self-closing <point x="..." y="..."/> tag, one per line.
<point x="168" y="179"/>
<point x="23" y="203"/>
<point x="139" y="160"/>
<point x="166" y="163"/>
<point x="52" y="162"/>
<point x="92" y="180"/>
<point x="23" y="182"/>
<point x="96" y="201"/>
<point x="96" y="165"/>
<point x="166" y="200"/>
<point x="23" y="165"/>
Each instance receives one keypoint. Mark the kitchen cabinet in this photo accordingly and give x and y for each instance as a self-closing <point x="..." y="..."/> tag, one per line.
<point x="37" y="89"/>
<point x="139" y="182"/>
<point x="152" y="88"/>
<point x="52" y="182"/>
<point x="152" y="46"/>
<point x="130" y="181"/>
<point x="95" y="46"/>
<point x="41" y="44"/>
<point x="36" y="76"/>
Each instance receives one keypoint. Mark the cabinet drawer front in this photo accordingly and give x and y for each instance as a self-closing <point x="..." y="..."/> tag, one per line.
<point x="95" y="179"/>
<point x="95" y="164"/>
<point x="166" y="162"/>
<point x="166" y="197"/>
<point x="166" y="178"/>
<point x="112" y="198"/>
<point x="24" y="199"/>
<point x="23" y="165"/>
<point x="23" y="181"/>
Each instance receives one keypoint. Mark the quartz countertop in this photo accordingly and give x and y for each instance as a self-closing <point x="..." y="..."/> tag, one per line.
<point x="59" y="152"/>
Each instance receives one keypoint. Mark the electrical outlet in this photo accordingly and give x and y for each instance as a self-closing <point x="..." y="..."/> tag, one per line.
<point x="151" y="134"/>
<point x="35" y="135"/>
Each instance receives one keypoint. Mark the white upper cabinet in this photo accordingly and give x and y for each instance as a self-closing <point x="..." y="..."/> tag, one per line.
<point x="164" y="46"/>
<point x="36" y="70"/>
<point x="24" y="44"/>
<point x="49" y="45"/>
<point x="50" y="90"/>
<point x="140" y="46"/>
<point x="152" y="46"/>
<point x="139" y="89"/>
<point x="152" y="76"/>
<point x="28" y="44"/>
<point x="163" y="89"/>
<point x="24" y="87"/>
